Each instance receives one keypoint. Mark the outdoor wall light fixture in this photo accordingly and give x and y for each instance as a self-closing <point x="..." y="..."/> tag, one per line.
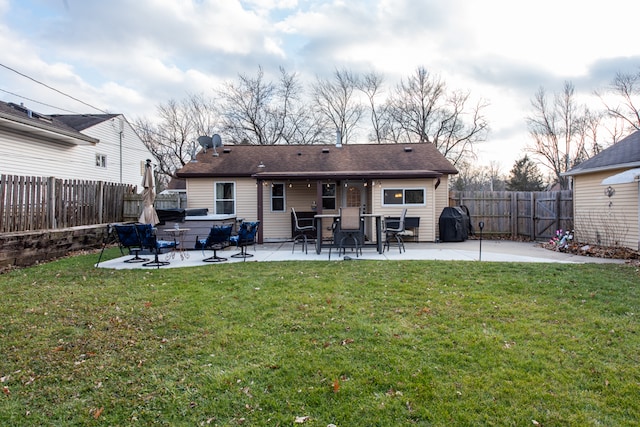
<point x="609" y="191"/>
<point x="261" y="165"/>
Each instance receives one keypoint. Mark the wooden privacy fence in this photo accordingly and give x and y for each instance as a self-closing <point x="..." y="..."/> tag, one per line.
<point x="535" y="215"/>
<point x="29" y="203"/>
<point x="133" y="204"/>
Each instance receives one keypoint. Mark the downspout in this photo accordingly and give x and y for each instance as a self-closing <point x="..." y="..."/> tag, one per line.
<point x="260" y="210"/>
<point x="121" y="137"/>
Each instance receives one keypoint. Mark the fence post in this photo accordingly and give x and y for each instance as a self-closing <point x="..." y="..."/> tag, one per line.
<point x="100" y="202"/>
<point x="513" y="202"/>
<point x="51" y="202"/>
<point x="533" y="216"/>
<point x="558" y="207"/>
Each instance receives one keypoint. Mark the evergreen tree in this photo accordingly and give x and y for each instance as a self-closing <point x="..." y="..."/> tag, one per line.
<point x="525" y="176"/>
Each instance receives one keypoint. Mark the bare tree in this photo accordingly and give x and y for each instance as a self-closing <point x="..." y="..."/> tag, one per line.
<point x="564" y="132"/>
<point x="334" y="100"/>
<point x="371" y="85"/>
<point x="478" y="178"/>
<point x="421" y="110"/>
<point x="172" y="137"/>
<point x="626" y="88"/>
<point x="261" y="112"/>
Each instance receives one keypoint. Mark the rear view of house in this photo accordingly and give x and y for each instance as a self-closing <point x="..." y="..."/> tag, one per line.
<point x="259" y="182"/>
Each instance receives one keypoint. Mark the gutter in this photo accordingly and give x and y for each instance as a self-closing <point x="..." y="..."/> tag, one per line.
<point x="19" y="123"/>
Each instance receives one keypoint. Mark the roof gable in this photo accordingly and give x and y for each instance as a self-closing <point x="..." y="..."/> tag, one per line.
<point x="320" y="161"/>
<point x="81" y="122"/>
<point x="625" y="153"/>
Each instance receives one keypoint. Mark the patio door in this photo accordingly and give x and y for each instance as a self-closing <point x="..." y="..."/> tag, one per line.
<point x="354" y="195"/>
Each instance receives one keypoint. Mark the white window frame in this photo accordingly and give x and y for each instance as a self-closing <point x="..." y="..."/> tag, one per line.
<point x="101" y="160"/>
<point x="283" y="197"/>
<point x="403" y="190"/>
<point x="216" y="200"/>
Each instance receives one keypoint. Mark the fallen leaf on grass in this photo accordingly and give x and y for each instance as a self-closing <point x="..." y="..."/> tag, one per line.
<point x="336" y="385"/>
<point x="347" y="341"/>
<point x="97" y="413"/>
<point x="424" y="310"/>
<point x="301" y="420"/>
<point x="6" y="391"/>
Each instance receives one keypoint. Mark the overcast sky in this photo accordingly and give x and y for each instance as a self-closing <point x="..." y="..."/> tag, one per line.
<point x="127" y="56"/>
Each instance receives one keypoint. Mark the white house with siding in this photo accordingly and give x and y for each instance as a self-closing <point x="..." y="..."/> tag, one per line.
<point x="260" y="182"/>
<point x="606" y="196"/>
<point x="101" y="147"/>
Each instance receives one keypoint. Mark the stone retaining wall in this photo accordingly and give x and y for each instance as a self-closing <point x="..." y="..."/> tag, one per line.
<point x="27" y="248"/>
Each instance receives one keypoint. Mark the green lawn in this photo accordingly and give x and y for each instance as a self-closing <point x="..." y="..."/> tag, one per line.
<point x="349" y="343"/>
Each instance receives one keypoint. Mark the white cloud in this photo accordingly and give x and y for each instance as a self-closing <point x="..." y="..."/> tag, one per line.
<point x="130" y="56"/>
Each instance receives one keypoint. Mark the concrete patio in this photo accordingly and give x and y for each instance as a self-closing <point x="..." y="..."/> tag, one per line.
<point x="492" y="251"/>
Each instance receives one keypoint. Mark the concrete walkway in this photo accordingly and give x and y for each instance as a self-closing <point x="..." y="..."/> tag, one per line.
<point x="492" y="251"/>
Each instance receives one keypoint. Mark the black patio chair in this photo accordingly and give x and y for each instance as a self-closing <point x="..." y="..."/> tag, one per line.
<point x="349" y="229"/>
<point x="393" y="230"/>
<point x="128" y="237"/>
<point x="301" y="231"/>
<point x="218" y="239"/>
<point x="247" y="236"/>
<point x="150" y="241"/>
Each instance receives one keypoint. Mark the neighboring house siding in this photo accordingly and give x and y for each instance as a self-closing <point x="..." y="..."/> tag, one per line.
<point x="23" y="154"/>
<point x="609" y="221"/>
<point x="134" y="152"/>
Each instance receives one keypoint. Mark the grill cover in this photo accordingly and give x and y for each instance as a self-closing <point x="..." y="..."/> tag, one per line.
<point x="454" y="225"/>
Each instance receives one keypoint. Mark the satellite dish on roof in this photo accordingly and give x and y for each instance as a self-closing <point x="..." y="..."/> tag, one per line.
<point x="217" y="142"/>
<point x="205" y="142"/>
<point x="210" y="142"/>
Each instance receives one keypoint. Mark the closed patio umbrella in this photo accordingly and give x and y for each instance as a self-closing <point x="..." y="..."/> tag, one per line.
<point x="149" y="214"/>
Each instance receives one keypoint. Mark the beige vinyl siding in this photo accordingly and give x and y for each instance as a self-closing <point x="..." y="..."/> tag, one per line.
<point x="599" y="219"/>
<point x="298" y="196"/>
<point x="247" y="200"/>
<point x="442" y="201"/>
<point x="426" y="213"/>
<point x="200" y="193"/>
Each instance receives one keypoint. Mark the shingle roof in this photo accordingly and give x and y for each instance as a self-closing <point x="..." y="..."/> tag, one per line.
<point x="19" y="117"/>
<point x="83" y="121"/>
<point x="625" y="153"/>
<point x="354" y="161"/>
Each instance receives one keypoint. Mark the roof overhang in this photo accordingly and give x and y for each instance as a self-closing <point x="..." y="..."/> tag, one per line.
<point x="44" y="130"/>
<point x="348" y="175"/>
<point x="626" y="177"/>
<point x="601" y="169"/>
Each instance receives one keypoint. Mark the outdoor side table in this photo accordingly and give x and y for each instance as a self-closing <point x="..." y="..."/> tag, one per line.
<point x="178" y="236"/>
